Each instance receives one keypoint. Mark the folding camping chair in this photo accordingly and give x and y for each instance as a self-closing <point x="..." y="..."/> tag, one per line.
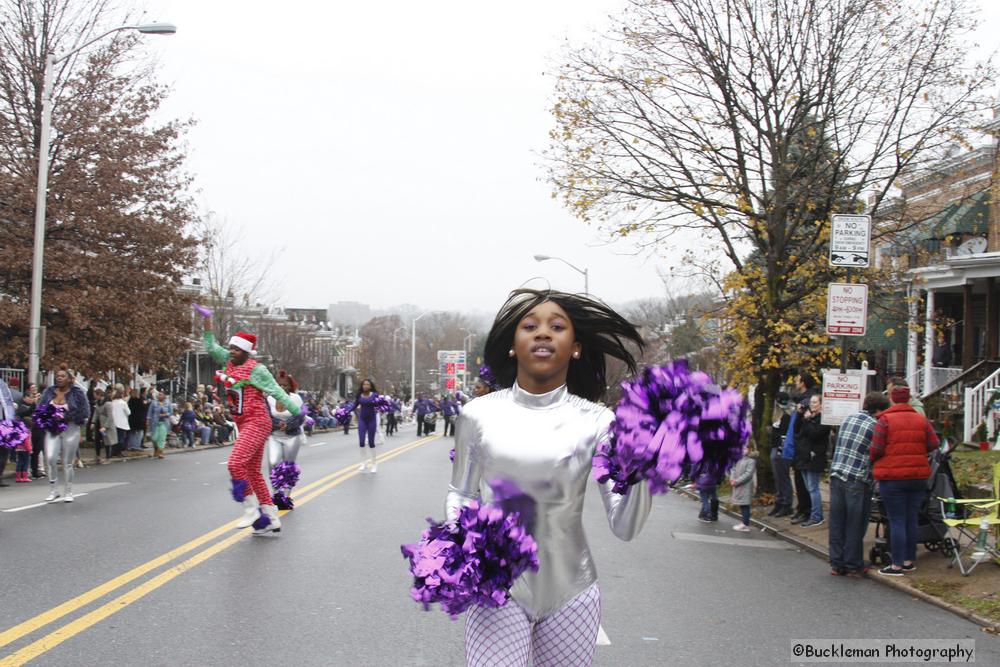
<point x="967" y="549"/>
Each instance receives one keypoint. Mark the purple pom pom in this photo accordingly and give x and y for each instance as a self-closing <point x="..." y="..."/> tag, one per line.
<point x="488" y="377"/>
<point x="383" y="404"/>
<point x="285" y="475"/>
<point x="474" y="560"/>
<point x="13" y="433"/>
<point x="451" y="455"/>
<point x="262" y="522"/>
<point x="283" y="501"/>
<point x="239" y="490"/>
<point x="343" y="414"/>
<point x="670" y="419"/>
<point x="309" y="422"/>
<point x="201" y="310"/>
<point x="49" y="418"/>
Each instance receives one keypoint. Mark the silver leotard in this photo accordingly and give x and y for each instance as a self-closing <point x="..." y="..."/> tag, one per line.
<point x="544" y="444"/>
<point x="280" y="445"/>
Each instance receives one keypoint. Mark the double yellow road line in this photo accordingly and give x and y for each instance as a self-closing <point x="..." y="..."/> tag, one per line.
<point x="75" y="627"/>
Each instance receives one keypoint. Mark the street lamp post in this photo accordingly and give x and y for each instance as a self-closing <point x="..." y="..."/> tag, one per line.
<point x="413" y="357"/>
<point x="34" y="330"/>
<point x="465" y="378"/>
<point x="586" y="284"/>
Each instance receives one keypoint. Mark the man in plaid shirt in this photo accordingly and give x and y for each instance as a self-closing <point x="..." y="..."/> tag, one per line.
<point x="851" y="488"/>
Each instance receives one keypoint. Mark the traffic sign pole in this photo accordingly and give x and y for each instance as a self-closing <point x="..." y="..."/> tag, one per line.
<point x="843" y="339"/>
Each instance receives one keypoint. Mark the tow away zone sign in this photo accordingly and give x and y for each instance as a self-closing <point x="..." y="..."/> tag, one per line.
<point x="847" y="309"/>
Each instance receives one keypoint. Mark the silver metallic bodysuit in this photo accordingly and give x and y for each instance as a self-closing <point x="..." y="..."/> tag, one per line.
<point x="543" y="444"/>
<point x="280" y="445"/>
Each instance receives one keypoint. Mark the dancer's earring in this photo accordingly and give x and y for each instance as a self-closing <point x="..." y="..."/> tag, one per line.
<point x="511" y="353"/>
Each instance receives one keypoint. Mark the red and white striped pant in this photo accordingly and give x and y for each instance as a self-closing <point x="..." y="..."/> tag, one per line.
<point x="506" y="636"/>
<point x="248" y="452"/>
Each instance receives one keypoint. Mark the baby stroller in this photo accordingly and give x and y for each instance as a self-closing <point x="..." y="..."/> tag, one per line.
<point x="932" y="531"/>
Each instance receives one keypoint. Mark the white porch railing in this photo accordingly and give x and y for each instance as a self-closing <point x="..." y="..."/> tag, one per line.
<point x="977" y="405"/>
<point x="940" y="376"/>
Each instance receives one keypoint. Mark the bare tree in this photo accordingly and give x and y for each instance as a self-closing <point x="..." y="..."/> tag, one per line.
<point x="235" y="281"/>
<point x="750" y="122"/>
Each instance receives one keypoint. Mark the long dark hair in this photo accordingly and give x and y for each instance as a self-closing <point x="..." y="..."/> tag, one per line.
<point x="599" y="330"/>
<point x="362" y="384"/>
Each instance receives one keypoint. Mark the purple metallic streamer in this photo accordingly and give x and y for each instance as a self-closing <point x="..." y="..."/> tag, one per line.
<point x="13" y="433"/>
<point x="670" y="419"/>
<point x="488" y="377"/>
<point x="285" y="475"/>
<point x="383" y="404"/>
<point x="474" y="560"/>
<point x="343" y="414"/>
<point x="49" y="418"/>
<point x="283" y="501"/>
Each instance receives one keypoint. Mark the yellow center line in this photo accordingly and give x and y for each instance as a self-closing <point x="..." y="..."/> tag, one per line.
<point x="50" y="616"/>
<point x="85" y="622"/>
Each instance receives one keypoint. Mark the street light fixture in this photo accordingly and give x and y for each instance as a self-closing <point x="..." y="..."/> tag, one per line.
<point x="465" y="378"/>
<point x="586" y="285"/>
<point x="34" y="330"/>
<point x="413" y="357"/>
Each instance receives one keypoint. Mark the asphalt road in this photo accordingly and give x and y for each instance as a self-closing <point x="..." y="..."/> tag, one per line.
<point x="145" y="570"/>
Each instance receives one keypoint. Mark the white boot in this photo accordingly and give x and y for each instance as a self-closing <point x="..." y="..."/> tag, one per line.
<point x="250" y="512"/>
<point x="53" y="494"/>
<point x="371" y="456"/>
<point x="269" y="512"/>
<point x="364" y="460"/>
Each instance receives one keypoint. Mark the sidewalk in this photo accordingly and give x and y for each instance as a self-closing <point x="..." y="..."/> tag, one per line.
<point x="976" y="597"/>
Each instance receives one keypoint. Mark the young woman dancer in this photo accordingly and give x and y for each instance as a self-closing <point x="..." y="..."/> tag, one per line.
<point x="287" y="435"/>
<point x="539" y="435"/>
<point x="72" y="402"/>
<point x="364" y="405"/>
<point x="246" y="384"/>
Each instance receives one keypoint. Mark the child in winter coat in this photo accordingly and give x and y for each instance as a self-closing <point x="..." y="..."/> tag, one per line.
<point x="707" y="486"/>
<point x="23" y="457"/>
<point x="742" y="478"/>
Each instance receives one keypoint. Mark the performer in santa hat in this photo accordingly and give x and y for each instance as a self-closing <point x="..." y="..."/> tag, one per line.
<point x="247" y="382"/>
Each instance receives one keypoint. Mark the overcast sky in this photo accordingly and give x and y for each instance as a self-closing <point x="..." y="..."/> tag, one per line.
<point x="392" y="148"/>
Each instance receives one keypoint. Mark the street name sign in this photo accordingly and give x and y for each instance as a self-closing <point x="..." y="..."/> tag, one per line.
<point x="850" y="240"/>
<point x="846" y="309"/>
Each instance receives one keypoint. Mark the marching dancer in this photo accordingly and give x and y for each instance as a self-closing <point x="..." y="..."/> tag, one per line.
<point x="246" y="382"/>
<point x="364" y="405"/>
<point x="539" y="434"/>
<point x="287" y="437"/>
<point x="70" y="411"/>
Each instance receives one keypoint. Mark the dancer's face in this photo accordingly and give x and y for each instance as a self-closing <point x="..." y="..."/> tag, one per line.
<point x="366" y="387"/>
<point x="62" y="379"/>
<point x="481" y="389"/>
<point x="285" y="384"/>
<point x="544" y="345"/>
<point x="238" y="355"/>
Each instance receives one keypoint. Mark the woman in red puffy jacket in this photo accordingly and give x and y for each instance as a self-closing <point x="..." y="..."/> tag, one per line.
<point x="900" y="444"/>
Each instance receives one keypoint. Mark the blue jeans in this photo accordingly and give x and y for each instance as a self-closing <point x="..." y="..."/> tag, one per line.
<point x="812" y="483"/>
<point x="135" y="439"/>
<point x="782" y="479"/>
<point x="902" y="498"/>
<point x="850" y="505"/>
<point x="707" y="497"/>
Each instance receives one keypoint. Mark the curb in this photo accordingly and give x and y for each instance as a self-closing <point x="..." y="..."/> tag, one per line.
<point x="819" y="552"/>
<point x="167" y="451"/>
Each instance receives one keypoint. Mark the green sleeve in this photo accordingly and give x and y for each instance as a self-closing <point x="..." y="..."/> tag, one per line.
<point x="261" y="378"/>
<point x="216" y="351"/>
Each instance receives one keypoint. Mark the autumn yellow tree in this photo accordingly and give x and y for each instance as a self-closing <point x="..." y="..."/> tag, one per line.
<point x="747" y="124"/>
